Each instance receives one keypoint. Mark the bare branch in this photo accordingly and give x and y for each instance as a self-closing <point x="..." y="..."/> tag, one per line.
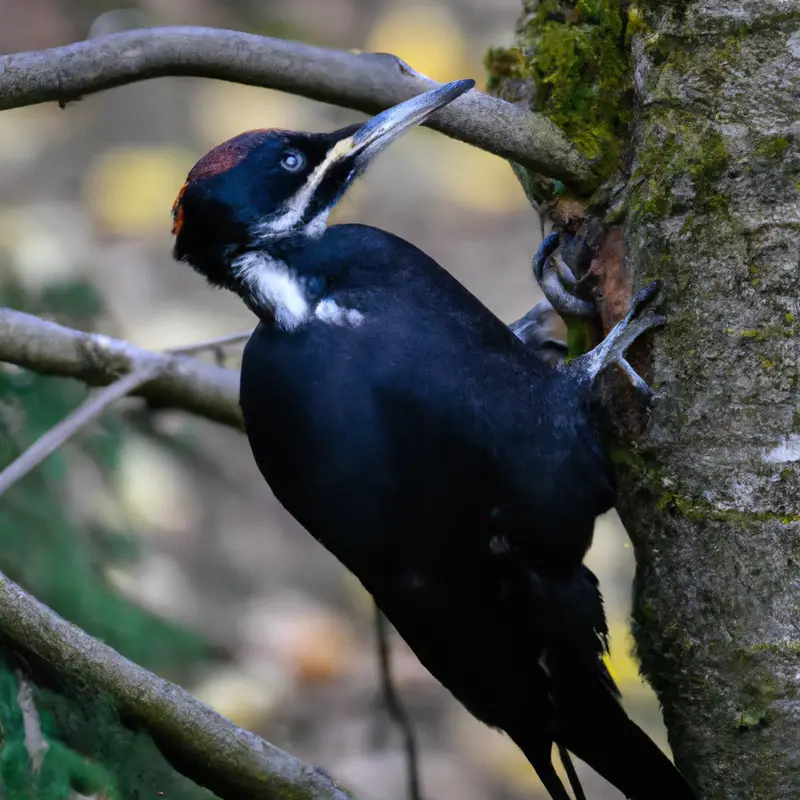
<point x="216" y="346"/>
<point x="368" y="82"/>
<point x="181" y="382"/>
<point x="59" y="434"/>
<point x="395" y="707"/>
<point x="212" y="751"/>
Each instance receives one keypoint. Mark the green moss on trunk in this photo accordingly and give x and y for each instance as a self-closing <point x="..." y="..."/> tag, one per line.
<point x="576" y="56"/>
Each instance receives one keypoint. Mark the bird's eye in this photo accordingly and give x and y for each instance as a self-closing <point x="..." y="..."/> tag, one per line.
<point x="293" y="161"/>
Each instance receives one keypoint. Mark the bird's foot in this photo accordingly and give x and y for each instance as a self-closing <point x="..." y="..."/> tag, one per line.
<point x="558" y="282"/>
<point x="541" y="331"/>
<point x="638" y="383"/>
<point x="612" y="349"/>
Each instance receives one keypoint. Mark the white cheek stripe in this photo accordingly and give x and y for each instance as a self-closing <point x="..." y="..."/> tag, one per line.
<point x="296" y="206"/>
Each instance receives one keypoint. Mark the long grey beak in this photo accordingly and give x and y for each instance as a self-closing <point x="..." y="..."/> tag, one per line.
<point x="378" y="132"/>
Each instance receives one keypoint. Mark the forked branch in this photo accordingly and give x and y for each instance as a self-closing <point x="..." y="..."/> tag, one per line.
<point x="212" y="751"/>
<point x="180" y="381"/>
<point x="368" y="82"/>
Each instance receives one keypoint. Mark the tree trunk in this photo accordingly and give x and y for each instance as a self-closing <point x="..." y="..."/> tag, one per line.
<point x="699" y="141"/>
<point x="713" y="505"/>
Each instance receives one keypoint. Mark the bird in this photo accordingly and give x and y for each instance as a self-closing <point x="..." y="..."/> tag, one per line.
<point x="452" y="470"/>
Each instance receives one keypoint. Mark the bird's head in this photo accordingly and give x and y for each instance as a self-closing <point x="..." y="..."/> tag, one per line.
<point x="264" y="187"/>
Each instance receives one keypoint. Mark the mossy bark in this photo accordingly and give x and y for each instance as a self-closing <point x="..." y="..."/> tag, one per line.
<point x="704" y="183"/>
<point x="713" y="502"/>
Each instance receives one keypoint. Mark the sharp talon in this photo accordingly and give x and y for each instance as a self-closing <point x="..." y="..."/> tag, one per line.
<point x="638" y="383"/>
<point x="645" y="296"/>
<point x="566" y="304"/>
<point x="565" y="274"/>
<point x="547" y="247"/>
<point x="557" y="281"/>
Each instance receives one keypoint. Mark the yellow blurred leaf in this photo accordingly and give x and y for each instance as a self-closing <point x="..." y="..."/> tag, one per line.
<point x="154" y="491"/>
<point x="622" y="663"/>
<point x="313" y="642"/>
<point x="244" y="699"/>
<point x="478" y="181"/>
<point x="130" y="190"/>
<point x="426" y="36"/>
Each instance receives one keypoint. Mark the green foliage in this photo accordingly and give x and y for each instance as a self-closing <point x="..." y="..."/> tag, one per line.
<point x="42" y="547"/>
<point x="45" y="548"/>
<point x="87" y="750"/>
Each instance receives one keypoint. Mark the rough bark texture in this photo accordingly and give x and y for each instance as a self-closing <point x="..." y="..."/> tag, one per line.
<point x="712" y="500"/>
<point x="699" y="137"/>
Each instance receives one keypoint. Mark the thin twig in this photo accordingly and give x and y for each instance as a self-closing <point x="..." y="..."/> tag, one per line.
<point x="395" y="706"/>
<point x="209" y="749"/>
<point x="35" y="741"/>
<point x="368" y="82"/>
<point x="209" y="344"/>
<point x="217" y="346"/>
<point x="181" y="382"/>
<point x="64" y="430"/>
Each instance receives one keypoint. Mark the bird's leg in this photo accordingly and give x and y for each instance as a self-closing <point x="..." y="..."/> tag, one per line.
<point x="612" y="349"/>
<point x="563" y="291"/>
<point x="538" y="331"/>
<point x="541" y="328"/>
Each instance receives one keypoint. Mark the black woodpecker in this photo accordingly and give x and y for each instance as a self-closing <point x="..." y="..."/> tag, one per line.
<point x="454" y="472"/>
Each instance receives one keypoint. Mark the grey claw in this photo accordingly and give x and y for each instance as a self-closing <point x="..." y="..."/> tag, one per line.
<point x="612" y="349"/>
<point x="638" y="383"/>
<point x="546" y="248"/>
<point x="558" y="282"/>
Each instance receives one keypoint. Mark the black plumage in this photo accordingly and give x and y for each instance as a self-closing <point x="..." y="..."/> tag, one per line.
<point x="456" y="474"/>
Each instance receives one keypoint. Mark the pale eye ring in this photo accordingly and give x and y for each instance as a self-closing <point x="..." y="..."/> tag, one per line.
<point x="293" y="161"/>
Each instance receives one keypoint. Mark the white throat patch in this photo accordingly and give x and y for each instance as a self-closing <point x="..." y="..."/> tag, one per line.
<point x="274" y="285"/>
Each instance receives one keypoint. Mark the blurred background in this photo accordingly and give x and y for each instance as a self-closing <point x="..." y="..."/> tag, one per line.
<point x="154" y="530"/>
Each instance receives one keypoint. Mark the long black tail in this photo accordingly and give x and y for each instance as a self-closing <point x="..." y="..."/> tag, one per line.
<point x="626" y="757"/>
<point x="572" y="775"/>
<point x="591" y="723"/>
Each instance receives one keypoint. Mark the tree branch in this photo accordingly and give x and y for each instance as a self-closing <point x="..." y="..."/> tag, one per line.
<point x="209" y="749"/>
<point x="62" y="432"/>
<point x="368" y="82"/>
<point x="181" y="382"/>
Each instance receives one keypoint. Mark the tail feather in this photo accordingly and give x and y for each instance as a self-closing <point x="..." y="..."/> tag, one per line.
<point x="572" y="775"/>
<point x="625" y="756"/>
<point x="539" y="755"/>
<point x="591" y="721"/>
